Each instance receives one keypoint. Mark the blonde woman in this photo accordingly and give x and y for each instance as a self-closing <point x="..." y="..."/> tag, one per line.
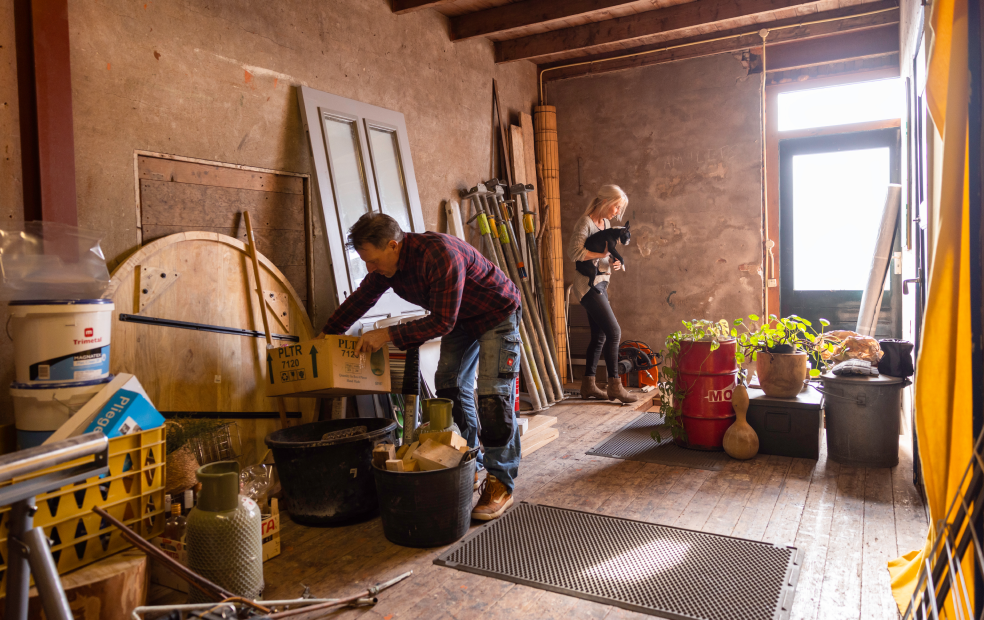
<point x="610" y="203"/>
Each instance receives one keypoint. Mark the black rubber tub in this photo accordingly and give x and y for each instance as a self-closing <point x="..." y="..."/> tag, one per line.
<point x="329" y="482"/>
<point x="426" y="508"/>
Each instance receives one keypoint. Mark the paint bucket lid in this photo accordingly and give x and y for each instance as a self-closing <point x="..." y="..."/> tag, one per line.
<point x="64" y="385"/>
<point x="59" y="302"/>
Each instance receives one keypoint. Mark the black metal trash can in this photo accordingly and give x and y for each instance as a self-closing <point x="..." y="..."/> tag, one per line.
<point x="426" y="508"/>
<point x="329" y="482"/>
<point x="862" y="416"/>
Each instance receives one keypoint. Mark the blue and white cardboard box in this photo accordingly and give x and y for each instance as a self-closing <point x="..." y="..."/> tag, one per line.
<point x="126" y="412"/>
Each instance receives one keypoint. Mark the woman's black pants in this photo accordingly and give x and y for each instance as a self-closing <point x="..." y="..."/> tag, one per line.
<point x="605" y="332"/>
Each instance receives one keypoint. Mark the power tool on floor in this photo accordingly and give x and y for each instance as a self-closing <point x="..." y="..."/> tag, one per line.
<point x="637" y="364"/>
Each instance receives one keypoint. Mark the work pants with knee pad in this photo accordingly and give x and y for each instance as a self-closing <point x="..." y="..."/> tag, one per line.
<point x="496" y="354"/>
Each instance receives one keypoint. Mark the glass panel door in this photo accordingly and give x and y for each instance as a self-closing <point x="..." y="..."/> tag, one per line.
<point x="832" y="192"/>
<point x="385" y="148"/>
<point x="349" y="182"/>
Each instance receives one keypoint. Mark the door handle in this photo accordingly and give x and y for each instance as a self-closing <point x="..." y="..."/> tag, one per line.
<point x="917" y="280"/>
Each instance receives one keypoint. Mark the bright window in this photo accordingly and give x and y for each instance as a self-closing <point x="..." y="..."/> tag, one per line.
<point x="842" y="105"/>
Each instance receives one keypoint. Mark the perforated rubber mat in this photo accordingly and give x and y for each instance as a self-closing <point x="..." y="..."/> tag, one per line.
<point x="644" y="567"/>
<point x="634" y="442"/>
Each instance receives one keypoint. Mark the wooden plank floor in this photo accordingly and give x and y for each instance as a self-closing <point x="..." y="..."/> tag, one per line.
<point x="849" y="521"/>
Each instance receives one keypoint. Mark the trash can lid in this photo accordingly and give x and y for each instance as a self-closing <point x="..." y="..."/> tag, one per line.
<point x="861" y="379"/>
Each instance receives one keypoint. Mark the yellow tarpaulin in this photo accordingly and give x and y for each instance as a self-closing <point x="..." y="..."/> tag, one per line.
<point x="943" y="396"/>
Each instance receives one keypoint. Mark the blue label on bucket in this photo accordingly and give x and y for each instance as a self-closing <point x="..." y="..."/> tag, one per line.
<point x="80" y="366"/>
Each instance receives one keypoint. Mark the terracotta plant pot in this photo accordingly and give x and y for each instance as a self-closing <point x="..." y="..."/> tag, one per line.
<point x="781" y="375"/>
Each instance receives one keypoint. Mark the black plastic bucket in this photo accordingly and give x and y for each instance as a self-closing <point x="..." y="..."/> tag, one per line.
<point x="426" y="508"/>
<point x="329" y="482"/>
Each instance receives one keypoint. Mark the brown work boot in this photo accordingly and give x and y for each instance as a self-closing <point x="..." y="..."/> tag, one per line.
<point x="493" y="501"/>
<point x="616" y="391"/>
<point x="590" y="389"/>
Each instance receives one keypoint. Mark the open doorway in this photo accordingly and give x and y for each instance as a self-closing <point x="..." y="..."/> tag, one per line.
<point x="834" y="169"/>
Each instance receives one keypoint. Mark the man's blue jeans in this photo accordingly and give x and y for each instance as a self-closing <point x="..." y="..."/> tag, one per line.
<point x="496" y="353"/>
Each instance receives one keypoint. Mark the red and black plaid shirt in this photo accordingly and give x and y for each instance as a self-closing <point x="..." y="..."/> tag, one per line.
<point x="444" y="275"/>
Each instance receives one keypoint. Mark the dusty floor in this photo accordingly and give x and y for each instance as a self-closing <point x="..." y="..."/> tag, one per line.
<point x="850" y="521"/>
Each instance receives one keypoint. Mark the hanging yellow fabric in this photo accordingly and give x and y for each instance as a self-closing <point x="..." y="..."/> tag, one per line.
<point x="943" y="394"/>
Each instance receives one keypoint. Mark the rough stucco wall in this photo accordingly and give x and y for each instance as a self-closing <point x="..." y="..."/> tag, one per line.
<point x="683" y="140"/>
<point x="217" y="81"/>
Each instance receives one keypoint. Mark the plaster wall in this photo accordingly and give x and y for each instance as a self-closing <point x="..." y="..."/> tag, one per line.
<point x="683" y="140"/>
<point x="217" y="80"/>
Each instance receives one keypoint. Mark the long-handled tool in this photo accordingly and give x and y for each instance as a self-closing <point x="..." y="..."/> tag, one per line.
<point x="508" y="265"/>
<point x="511" y="250"/>
<point x="281" y="405"/>
<point x="530" y="375"/>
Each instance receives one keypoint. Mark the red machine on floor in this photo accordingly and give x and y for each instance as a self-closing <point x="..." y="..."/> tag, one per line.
<point x="637" y="364"/>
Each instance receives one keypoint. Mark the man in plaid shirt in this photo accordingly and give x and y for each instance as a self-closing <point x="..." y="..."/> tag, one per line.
<point x="474" y="309"/>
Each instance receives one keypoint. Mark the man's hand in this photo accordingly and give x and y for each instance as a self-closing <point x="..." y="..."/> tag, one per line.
<point x="372" y="340"/>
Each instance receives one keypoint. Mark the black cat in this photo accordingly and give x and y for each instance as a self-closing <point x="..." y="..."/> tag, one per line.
<point x="599" y="242"/>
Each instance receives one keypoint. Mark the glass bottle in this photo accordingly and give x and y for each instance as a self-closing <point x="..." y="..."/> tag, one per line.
<point x="174" y="528"/>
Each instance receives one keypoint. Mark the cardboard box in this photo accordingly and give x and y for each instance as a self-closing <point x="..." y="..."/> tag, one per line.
<point x="326" y="366"/>
<point x="126" y="412"/>
<point x="270" y="527"/>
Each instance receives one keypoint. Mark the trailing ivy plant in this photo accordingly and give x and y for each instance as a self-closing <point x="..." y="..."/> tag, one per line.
<point x="671" y="395"/>
<point x="792" y="334"/>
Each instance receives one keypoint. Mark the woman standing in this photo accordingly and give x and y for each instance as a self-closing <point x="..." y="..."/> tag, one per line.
<point x="606" y="335"/>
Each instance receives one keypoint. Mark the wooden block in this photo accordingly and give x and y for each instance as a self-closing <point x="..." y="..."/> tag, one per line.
<point x="411" y="449"/>
<point x="464" y="449"/>
<point x="529" y="447"/>
<point x="524" y="424"/>
<point x="448" y="438"/>
<point x="539" y="421"/>
<point x="395" y="465"/>
<point x="411" y="465"/>
<point x="402" y="450"/>
<point x="432" y="455"/>
<point x="382" y="453"/>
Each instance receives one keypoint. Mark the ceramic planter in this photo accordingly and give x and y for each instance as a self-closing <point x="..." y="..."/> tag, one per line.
<point x="781" y="375"/>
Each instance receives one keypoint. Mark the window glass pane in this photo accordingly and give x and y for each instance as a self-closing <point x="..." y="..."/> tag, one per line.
<point x="838" y="200"/>
<point x="349" y="180"/>
<point x="841" y="105"/>
<point x="389" y="176"/>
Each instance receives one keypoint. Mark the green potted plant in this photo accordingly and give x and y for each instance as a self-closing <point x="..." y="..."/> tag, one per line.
<point x="698" y="373"/>
<point x="781" y="349"/>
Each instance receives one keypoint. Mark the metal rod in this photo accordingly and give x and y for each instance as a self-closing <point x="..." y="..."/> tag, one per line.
<point x="195" y="580"/>
<point x="369" y="594"/>
<point x="203" y="327"/>
<point x="52" y="596"/>
<point x="281" y="405"/>
<point x="18" y="568"/>
<point x="190" y="607"/>
<point x="31" y="460"/>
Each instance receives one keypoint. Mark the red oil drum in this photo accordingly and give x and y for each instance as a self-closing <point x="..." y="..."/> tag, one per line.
<point x="708" y="377"/>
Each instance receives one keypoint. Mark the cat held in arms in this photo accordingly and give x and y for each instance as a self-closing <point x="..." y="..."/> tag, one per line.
<point x="602" y="240"/>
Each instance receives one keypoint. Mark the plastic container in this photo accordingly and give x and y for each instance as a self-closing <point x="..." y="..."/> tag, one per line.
<point x="329" y="482"/>
<point x="40" y="409"/>
<point x="708" y="378"/>
<point x="862" y="416"/>
<point x="132" y="491"/>
<point x="59" y="341"/>
<point x="224" y="534"/>
<point x="427" y="508"/>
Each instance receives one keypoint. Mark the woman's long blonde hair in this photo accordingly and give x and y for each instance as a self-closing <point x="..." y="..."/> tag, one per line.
<point x="607" y="195"/>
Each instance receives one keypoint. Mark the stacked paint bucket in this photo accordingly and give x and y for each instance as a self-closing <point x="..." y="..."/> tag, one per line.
<point x="61" y="357"/>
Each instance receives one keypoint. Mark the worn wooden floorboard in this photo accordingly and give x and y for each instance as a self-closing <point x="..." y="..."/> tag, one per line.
<point x="847" y="522"/>
<point x="911" y="523"/>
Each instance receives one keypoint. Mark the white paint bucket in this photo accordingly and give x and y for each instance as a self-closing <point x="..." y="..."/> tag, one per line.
<point x="39" y="410"/>
<point x="59" y="341"/>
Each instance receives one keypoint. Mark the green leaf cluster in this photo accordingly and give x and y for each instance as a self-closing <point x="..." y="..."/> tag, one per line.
<point x="792" y="334"/>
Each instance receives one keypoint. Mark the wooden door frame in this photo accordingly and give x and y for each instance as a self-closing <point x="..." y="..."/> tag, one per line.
<point x="770" y="214"/>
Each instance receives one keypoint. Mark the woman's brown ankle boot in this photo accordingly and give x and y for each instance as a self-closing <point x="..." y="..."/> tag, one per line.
<point x="589" y="389"/>
<point x="616" y="391"/>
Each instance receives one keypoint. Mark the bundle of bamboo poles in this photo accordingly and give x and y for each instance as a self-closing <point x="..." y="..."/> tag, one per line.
<point x="495" y="204"/>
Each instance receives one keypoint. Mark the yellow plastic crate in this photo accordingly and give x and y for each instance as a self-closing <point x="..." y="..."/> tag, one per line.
<point x="132" y="491"/>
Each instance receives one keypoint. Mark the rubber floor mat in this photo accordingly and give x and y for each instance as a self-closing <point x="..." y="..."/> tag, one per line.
<point x="634" y="442"/>
<point x="653" y="569"/>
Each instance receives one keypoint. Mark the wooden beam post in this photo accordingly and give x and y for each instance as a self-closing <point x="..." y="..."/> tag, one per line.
<point x="524" y="13"/>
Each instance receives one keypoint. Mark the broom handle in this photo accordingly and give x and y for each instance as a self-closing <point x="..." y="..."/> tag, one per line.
<point x="259" y="294"/>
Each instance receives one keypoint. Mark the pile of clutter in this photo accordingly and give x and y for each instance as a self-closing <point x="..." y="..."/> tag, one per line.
<point x="431" y="451"/>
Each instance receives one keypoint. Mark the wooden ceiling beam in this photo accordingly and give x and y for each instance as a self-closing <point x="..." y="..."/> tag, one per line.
<point x="845" y="46"/>
<point x="409" y="6"/>
<point x="827" y="23"/>
<point x="525" y="13"/>
<point x="622" y="29"/>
